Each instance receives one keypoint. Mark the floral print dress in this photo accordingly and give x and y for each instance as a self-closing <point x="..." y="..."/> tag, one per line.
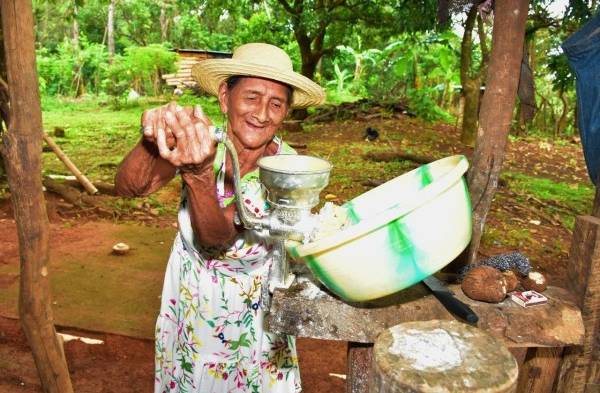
<point x="209" y="334"/>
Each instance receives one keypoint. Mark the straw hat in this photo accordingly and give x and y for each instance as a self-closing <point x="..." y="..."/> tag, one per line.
<point x="261" y="60"/>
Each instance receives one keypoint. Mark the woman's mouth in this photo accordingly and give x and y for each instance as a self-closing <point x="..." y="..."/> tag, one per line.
<point x="255" y="126"/>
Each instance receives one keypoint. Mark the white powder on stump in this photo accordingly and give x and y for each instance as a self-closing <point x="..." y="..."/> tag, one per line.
<point x="434" y="350"/>
<point x="310" y="291"/>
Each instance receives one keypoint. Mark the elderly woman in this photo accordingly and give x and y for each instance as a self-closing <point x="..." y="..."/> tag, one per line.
<point x="209" y="334"/>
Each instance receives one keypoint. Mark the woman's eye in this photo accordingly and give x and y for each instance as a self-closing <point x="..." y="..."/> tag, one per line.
<point x="277" y="104"/>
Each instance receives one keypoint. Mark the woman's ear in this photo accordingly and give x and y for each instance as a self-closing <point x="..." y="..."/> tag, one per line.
<point x="223" y="96"/>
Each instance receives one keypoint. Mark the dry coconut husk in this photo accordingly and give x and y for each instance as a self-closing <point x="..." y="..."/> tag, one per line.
<point x="512" y="281"/>
<point x="485" y="283"/>
<point x="535" y="281"/>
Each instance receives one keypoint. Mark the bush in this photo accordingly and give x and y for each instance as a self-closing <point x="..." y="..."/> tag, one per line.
<point x="140" y="69"/>
<point x="72" y="71"/>
<point x="423" y="105"/>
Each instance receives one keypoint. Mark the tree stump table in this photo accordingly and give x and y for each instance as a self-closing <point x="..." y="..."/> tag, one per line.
<point x="441" y="357"/>
<point x="307" y="310"/>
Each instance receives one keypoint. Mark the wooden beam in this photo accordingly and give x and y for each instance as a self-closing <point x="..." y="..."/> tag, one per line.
<point x="22" y="151"/>
<point x="538" y="372"/>
<point x="324" y="316"/>
<point x="580" y="368"/>
<point x="360" y="358"/>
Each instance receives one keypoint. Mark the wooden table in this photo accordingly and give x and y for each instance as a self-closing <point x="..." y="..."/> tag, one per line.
<point x="307" y="310"/>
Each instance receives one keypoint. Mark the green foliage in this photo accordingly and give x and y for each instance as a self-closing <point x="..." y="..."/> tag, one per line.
<point x="383" y="49"/>
<point x="140" y="69"/>
<point x="422" y="104"/>
<point x="70" y="70"/>
<point x="421" y="68"/>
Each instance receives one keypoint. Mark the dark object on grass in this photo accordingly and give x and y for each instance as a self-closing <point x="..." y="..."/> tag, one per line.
<point x="371" y="134"/>
<point x="59" y="132"/>
<point x="503" y="262"/>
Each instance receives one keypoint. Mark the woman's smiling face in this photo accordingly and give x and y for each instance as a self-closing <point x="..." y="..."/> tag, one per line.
<point x="255" y="109"/>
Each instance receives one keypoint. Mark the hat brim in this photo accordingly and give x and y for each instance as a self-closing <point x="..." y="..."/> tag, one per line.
<point x="209" y="74"/>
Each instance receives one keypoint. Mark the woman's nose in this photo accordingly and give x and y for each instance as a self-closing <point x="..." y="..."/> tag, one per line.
<point x="261" y="113"/>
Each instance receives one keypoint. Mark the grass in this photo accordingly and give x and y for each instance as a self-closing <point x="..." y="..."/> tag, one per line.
<point x="565" y="200"/>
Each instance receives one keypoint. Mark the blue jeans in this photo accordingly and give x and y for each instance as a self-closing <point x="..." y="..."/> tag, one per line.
<point x="583" y="52"/>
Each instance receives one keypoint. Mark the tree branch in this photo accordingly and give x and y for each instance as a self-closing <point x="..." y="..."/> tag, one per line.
<point x="466" y="46"/>
<point x="485" y="53"/>
<point x="287" y="6"/>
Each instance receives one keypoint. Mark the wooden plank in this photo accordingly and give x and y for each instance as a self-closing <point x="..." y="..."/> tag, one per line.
<point x="539" y="370"/>
<point x="580" y="368"/>
<point x="360" y="358"/>
<point x="306" y="310"/>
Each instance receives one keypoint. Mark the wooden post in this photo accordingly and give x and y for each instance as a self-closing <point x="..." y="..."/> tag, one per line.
<point x="580" y="368"/>
<point x="21" y="149"/>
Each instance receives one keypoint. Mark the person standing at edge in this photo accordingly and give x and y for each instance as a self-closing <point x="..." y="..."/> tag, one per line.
<point x="209" y="333"/>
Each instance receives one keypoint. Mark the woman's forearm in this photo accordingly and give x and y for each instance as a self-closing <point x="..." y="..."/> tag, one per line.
<point x="143" y="171"/>
<point x="212" y="224"/>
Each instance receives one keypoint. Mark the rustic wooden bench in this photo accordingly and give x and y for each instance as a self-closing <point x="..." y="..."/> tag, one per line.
<point x="549" y="341"/>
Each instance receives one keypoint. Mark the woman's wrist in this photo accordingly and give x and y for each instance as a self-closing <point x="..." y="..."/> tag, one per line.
<point x="195" y="169"/>
<point x="196" y="174"/>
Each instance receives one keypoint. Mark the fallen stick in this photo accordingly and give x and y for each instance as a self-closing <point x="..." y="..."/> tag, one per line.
<point x="398" y="157"/>
<point x="89" y="187"/>
<point x="103" y="187"/>
<point x="69" y="194"/>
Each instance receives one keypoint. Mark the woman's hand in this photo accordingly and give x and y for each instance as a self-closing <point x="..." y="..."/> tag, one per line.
<point x="183" y="135"/>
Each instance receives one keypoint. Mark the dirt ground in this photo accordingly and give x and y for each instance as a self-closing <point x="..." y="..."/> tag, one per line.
<point x="121" y="364"/>
<point x="125" y="364"/>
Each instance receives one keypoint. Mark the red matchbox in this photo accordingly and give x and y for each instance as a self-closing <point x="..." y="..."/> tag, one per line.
<point x="528" y="298"/>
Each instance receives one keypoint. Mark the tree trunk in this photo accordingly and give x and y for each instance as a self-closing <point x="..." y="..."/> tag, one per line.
<point x="75" y="25"/>
<point x="443" y="14"/>
<point x="496" y="111"/>
<point x="21" y="150"/>
<point x="471" y="84"/>
<point x="526" y="90"/>
<point x="561" y="122"/>
<point x="309" y="66"/>
<point x="164" y="22"/>
<point x="470" y="120"/>
<point x="110" y="30"/>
